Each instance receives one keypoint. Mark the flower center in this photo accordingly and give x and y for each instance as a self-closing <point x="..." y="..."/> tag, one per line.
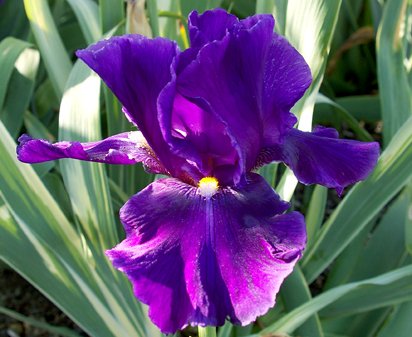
<point x="208" y="186"/>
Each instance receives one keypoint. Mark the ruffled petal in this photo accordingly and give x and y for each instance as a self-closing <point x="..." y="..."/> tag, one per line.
<point x="210" y="26"/>
<point x="198" y="260"/>
<point x="318" y="157"/>
<point x="126" y="148"/>
<point x="227" y="78"/>
<point x="137" y="69"/>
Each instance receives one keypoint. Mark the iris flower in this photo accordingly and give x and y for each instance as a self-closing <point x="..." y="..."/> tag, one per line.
<point x="211" y="242"/>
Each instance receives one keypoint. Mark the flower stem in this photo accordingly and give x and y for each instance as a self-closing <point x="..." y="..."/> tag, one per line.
<point x="208" y="331"/>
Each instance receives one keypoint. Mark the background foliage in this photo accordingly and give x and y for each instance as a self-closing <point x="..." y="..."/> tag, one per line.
<point x="56" y="219"/>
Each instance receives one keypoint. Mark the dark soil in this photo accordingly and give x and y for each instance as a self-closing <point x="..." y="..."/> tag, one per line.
<point x="18" y="295"/>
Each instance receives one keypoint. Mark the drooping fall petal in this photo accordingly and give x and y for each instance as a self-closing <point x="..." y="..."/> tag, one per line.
<point x="197" y="260"/>
<point x="319" y="157"/>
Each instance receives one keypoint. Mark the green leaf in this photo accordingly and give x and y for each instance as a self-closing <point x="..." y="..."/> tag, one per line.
<point x="363" y="325"/>
<point x="226" y="330"/>
<point x="208" y="331"/>
<point x="295" y="318"/>
<point x="343" y="267"/>
<point x="371" y="297"/>
<point x="240" y="8"/>
<point x="388" y="233"/>
<point x="153" y="17"/>
<point x="295" y="292"/>
<point x="408" y="222"/>
<point x="111" y="14"/>
<point x="269" y="172"/>
<point x="87" y="13"/>
<point x="54" y="184"/>
<point x="45" y="102"/>
<point x="13" y="21"/>
<point x="51" y="47"/>
<point x="72" y="36"/>
<point x="20" y="90"/>
<point x="36" y="128"/>
<point x="364" y="108"/>
<point x="10" y="49"/>
<point x="360" y="132"/>
<point x="391" y="47"/>
<point x="187" y="6"/>
<point x="362" y="203"/>
<point x="315" y="213"/>
<point x="399" y="323"/>
<point x="243" y="331"/>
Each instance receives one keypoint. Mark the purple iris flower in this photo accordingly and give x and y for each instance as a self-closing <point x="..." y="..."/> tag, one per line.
<point x="212" y="241"/>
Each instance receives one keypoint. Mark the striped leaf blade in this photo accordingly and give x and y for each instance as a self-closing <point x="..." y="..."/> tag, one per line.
<point x="294" y="319"/>
<point x="86" y="183"/>
<point x="50" y="45"/>
<point x="32" y="225"/>
<point x="392" y="46"/>
<point x="87" y="13"/>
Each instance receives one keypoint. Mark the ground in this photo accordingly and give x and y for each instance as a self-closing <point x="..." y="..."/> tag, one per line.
<point x="18" y="295"/>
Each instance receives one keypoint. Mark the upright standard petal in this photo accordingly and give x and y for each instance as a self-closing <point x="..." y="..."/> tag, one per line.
<point x="210" y="26"/>
<point x="137" y="69"/>
<point x="226" y="79"/>
<point x="125" y="148"/>
<point x="286" y="78"/>
<point x="199" y="260"/>
<point x="318" y="157"/>
<point x="198" y="135"/>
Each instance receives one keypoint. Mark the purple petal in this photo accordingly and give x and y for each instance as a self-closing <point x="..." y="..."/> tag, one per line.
<point x="318" y="157"/>
<point x="226" y="79"/>
<point x="210" y="26"/>
<point x="198" y="261"/>
<point x="125" y="148"/>
<point x="192" y="131"/>
<point x="285" y="80"/>
<point x="137" y="69"/>
<point x="198" y="135"/>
